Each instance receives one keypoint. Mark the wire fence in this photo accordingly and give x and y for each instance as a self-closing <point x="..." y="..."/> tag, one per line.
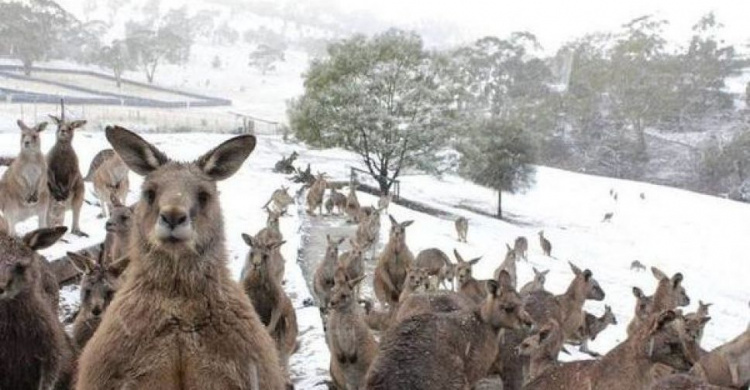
<point x="145" y="119"/>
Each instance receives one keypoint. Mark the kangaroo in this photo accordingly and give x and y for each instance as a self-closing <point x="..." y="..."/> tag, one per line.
<point x="467" y="284"/>
<point x="118" y="227"/>
<point x="434" y="302"/>
<point x="315" y="195"/>
<point x="352" y="203"/>
<point x="545" y="244"/>
<point x="627" y="366"/>
<point x="395" y="259"/>
<point x="202" y="332"/>
<point x="521" y="247"/>
<point x="728" y="365"/>
<point x="323" y="279"/>
<point x="684" y="382"/>
<point x="592" y="326"/>
<point x="23" y="187"/>
<point x="608" y="217"/>
<point x="637" y="266"/>
<point x="441" y="351"/>
<point x="567" y="308"/>
<point x="102" y="156"/>
<point x="352" y="262"/>
<point x="265" y="245"/>
<point x="462" y="228"/>
<point x="280" y="200"/>
<point x="669" y="294"/>
<point x="438" y="265"/>
<point x="35" y="353"/>
<point x="368" y="231"/>
<point x="352" y="345"/>
<point x="111" y="180"/>
<point x="696" y="322"/>
<point x="542" y="349"/>
<point x="535" y="285"/>
<point x="286" y="165"/>
<point x="63" y="174"/>
<point x="269" y="299"/>
<point x="385" y="201"/>
<point x="509" y="265"/>
<point x="338" y="200"/>
<point x="99" y="284"/>
<point x="272" y="231"/>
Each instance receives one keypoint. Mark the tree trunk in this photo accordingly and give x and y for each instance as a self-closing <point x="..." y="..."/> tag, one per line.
<point x="500" y="204"/>
<point x="384" y="184"/>
<point x="27" y="64"/>
<point x="118" y="79"/>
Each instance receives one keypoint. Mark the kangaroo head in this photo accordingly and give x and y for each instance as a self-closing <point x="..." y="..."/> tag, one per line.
<point x="332" y="249"/>
<point x="66" y="129"/>
<point x="585" y="283"/>
<point x="510" y="254"/>
<point x="670" y="291"/>
<point x="343" y="294"/>
<point x="179" y="212"/>
<point x="398" y="230"/>
<point x="502" y="308"/>
<point x="121" y="218"/>
<point x="540" y="277"/>
<point x="260" y="253"/>
<point x="609" y="317"/>
<point x="20" y="263"/>
<point x="99" y="282"/>
<point x="463" y="268"/>
<point x="643" y="303"/>
<point x="664" y="341"/>
<point x="30" y="136"/>
<point x="416" y="278"/>
<point x="547" y="341"/>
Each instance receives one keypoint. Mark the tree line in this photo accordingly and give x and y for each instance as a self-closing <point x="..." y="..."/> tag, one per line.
<point x="491" y="109"/>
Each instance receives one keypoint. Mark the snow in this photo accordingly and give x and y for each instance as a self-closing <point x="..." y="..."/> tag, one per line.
<point x="703" y="237"/>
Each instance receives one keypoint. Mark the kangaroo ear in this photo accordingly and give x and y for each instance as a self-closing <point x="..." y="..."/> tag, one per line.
<point x="544" y="333"/>
<point x="587" y="275"/>
<point x="77" y="124"/>
<point x="505" y="281"/>
<point x="115" y="200"/>
<point x="658" y="274"/>
<point x="55" y="119"/>
<point x="663" y="319"/>
<point x="40" y="127"/>
<point x="138" y="154"/>
<point x="637" y="292"/>
<point x="355" y="281"/>
<point x="393" y="220"/>
<point x="575" y="269"/>
<point x="22" y="125"/>
<point x="277" y="244"/>
<point x="226" y="159"/>
<point x="118" y="266"/>
<point x="44" y="238"/>
<point x="492" y="287"/>
<point x="341" y="240"/>
<point x="458" y="257"/>
<point x="82" y="263"/>
<point x="475" y="261"/>
<point x="676" y="279"/>
<point x="248" y="239"/>
<point x="407" y="223"/>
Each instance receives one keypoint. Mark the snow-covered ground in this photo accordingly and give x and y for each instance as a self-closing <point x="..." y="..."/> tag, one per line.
<point x="703" y="237"/>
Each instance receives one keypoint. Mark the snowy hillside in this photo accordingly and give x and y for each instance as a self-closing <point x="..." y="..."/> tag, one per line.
<point x="703" y="237"/>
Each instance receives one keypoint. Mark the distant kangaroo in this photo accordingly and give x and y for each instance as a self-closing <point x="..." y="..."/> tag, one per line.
<point x="545" y="244"/>
<point x="63" y="174"/>
<point x="462" y="228"/>
<point x="180" y="321"/>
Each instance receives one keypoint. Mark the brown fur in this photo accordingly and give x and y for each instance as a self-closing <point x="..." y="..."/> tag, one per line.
<point x="438" y="265"/>
<point x="642" y="309"/>
<point x="594" y="325"/>
<point x="353" y="262"/>
<point x="3" y="224"/>
<point x="627" y="366"/>
<point x="542" y="349"/>
<point x="508" y="264"/>
<point x="97" y="161"/>
<point x="280" y="199"/>
<point x="64" y="178"/>
<point x="23" y="187"/>
<point x="566" y="309"/>
<point x="395" y="259"/>
<point x="338" y="200"/>
<point x="521" y="248"/>
<point x="352" y="345"/>
<point x="99" y="284"/>
<point x="453" y="350"/>
<point x="352" y="203"/>
<point x="268" y="297"/>
<point x="545" y="244"/>
<point x="315" y="195"/>
<point x="669" y="295"/>
<point x="438" y="302"/>
<point x="323" y="279"/>
<point x="684" y="382"/>
<point x="368" y="231"/>
<point x="467" y="284"/>
<point x="111" y="181"/>
<point x="535" y="285"/>
<point x="728" y="365"/>
<point x="36" y="353"/>
<point x="462" y="228"/>
<point x="179" y="321"/>
<point x="118" y="226"/>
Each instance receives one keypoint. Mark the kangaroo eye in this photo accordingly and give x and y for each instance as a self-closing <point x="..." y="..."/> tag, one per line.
<point x="19" y="269"/>
<point x="149" y="196"/>
<point x="203" y="198"/>
<point x="510" y="309"/>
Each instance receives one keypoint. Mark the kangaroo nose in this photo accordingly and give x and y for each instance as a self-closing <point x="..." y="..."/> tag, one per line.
<point x="2" y="290"/>
<point x="96" y="311"/>
<point x="173" y="219"/>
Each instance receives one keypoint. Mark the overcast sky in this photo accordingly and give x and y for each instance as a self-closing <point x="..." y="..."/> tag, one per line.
<point x="556" y="21"/>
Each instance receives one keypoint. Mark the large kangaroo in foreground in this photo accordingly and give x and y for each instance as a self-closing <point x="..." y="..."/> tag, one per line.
<point x="179" y="321"/>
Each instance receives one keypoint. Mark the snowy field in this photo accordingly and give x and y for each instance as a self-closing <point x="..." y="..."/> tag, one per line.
<point x="703" y="237"/>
